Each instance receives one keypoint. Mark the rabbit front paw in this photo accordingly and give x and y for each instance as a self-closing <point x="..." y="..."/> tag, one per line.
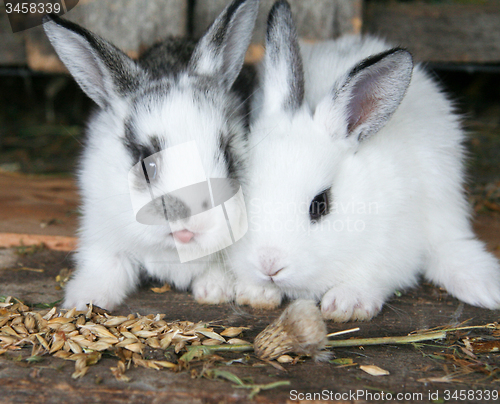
<point x="347" y="304"/>
<point x="257" y="296"/>
<point x="80" y="292"/>
<point x="213" y="287"/>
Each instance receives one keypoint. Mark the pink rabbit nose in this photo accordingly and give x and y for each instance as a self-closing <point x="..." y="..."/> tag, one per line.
<point x="274" y="272"/>
<point x="270" y="262"/>
<point x="184" y="236"/>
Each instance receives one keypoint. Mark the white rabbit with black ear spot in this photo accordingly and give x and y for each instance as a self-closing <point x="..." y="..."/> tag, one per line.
<point x="356" y="181"/>
<point x="179" y="93"/>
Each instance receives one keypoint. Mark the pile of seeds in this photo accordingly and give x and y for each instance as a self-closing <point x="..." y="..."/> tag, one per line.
<point x="82" y="336"/>
<point x="151" y="342"/>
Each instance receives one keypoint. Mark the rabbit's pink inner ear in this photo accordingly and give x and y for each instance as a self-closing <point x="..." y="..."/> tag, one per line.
<point x="366" y="100"/>
<point x="373" y="91"/>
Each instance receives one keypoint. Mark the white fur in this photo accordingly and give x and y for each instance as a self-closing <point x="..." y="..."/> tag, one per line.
<point x="399" y="208"/>
<point x="113" y="245"/>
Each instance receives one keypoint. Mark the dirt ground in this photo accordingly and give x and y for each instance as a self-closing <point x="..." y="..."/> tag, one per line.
<point x="439" y="366"/>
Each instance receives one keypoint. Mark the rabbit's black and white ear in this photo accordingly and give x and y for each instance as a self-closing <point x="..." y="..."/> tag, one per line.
<point x="283" y="69"/>
<point x="220" y="53"/>
<point x="372" y="91"/>
<point x="102" y="71"/>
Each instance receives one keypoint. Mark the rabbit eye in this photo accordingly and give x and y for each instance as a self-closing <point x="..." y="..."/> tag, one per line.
<point x="152" y="169"/>
<point x="319" y="205"/>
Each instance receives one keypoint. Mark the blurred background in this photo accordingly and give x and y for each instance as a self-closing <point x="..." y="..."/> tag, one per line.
<point x="43" y="112"/>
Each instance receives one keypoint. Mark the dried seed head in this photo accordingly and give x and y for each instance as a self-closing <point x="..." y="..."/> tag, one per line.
<point x="232" y="332"/>
<point x="285" y="359"/>
<point x="114" y="321"/>
<point x="30" y="323"/>
<point x="299" y="329"/>
<point x="237" y="341"/>
<point x="71" y="313"/>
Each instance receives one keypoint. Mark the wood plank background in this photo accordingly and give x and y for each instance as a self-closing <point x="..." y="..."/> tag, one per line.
<point x="433" y="32"/>
<point x="439" y="32"/>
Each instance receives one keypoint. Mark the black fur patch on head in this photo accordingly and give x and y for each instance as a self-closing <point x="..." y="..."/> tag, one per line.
<point x="167" y="58"/>
<point x="137" y="150"/>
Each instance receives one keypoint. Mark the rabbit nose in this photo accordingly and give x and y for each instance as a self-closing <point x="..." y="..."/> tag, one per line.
<point x="270" y="262"/>
<point x="276" y="272"/>
<point x="184" y="236"/>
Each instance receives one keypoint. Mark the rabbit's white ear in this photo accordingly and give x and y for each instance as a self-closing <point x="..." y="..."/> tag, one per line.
<point x="369" y="95"/>
<point x="283" y="70"/>
<point x="102" y="71"/>
<point x="220" y="53"/>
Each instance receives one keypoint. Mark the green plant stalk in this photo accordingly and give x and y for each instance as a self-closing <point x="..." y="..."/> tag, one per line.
<point x="195" y="352"/>
<point x="406" y="339"/>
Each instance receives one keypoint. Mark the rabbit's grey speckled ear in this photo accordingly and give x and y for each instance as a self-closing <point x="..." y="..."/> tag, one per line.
<point x="220" y="53"/>
<point x="370" y="94"/>
<point x="101" y="70"/>
<point x="283" y="74"/>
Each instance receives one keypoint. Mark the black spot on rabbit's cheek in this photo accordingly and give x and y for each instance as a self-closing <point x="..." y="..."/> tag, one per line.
<point x="320" y="205"/>
<point x="230" y="158"/>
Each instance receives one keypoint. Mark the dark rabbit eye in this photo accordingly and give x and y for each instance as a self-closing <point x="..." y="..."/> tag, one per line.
<point x="150" y="169"/>
<point x="319" y="205"/>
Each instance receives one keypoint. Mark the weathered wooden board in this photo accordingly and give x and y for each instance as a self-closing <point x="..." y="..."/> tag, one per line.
<point x="131" y="25"/>
<point x="315" y="20"/>
<point x="36" y="205"/>
<point x="439" y="32"/>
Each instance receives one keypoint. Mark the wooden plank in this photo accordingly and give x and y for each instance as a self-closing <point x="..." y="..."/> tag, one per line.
<point x="131" y="25"/>
<point x="318" y="19"/>
<point x="57" y="243"/>
<point x="439" y="32"/>
<point x="38" y="205"/>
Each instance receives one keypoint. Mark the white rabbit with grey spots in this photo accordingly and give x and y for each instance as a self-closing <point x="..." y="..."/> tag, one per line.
<point x="356" y="170"/>
<point x="179" y="91"/>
